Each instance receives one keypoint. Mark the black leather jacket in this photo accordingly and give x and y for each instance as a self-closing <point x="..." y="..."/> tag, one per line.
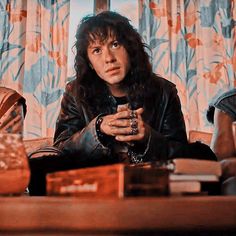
<point x="76" y="132"/>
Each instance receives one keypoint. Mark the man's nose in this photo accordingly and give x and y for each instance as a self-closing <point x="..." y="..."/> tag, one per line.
<point x="109" y="56"/>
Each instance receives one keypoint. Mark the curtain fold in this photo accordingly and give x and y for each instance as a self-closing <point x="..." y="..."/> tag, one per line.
<point x="33" y="59"/>
<point x="193" y="44"/>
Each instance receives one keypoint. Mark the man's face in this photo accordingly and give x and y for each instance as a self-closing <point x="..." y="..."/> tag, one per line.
<point x="109" y="59"/>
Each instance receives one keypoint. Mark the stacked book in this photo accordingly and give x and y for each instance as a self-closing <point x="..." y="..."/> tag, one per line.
<point x="178" y="176"/>
<point x="192" y="176"/>
<point x="110" y="181"/>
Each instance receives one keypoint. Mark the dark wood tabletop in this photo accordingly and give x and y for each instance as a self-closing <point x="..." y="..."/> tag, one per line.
<point x="109" y="216"/>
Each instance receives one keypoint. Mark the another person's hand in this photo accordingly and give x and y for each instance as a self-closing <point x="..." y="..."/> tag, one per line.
<point x="126" y="125"/>
<point x="228" y="167"/>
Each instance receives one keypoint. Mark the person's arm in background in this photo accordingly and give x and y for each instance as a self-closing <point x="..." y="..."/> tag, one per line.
<point x="222" y="142"/>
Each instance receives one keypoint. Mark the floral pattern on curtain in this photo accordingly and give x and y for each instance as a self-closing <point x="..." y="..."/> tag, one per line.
<point x="193" y="45"/>
<point x="33" y="58"/>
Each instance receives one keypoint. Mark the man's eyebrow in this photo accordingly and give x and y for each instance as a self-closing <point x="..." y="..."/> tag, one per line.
<point x="94" y="45"/>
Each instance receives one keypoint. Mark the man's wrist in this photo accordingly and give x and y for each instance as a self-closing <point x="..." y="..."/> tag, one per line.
<point x="98" y="127"/>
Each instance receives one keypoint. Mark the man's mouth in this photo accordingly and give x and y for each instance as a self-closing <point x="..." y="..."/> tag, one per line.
<point x="112" y="69"/>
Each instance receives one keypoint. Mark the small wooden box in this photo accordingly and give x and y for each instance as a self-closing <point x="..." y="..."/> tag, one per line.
<point x="111" y="181"/>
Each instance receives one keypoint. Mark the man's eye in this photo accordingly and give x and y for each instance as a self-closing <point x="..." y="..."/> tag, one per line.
<point x="115" y="44"/>
<point x="97" y="51"/>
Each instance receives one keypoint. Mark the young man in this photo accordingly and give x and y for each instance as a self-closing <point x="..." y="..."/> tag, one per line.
<point x="117" y="108"/>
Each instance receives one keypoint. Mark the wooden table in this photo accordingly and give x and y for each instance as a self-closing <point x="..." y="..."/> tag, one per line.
<point x="147" y="216"/>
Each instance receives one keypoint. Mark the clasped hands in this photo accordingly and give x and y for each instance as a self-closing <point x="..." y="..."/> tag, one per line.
<point x="126" y="125"/>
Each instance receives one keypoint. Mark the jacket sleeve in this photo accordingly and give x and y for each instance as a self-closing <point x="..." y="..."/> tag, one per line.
<point x="168" y="135"/>
<point x="172" y="135"/>
<point x="227" y="103"/>
<point x="73" y="135"/>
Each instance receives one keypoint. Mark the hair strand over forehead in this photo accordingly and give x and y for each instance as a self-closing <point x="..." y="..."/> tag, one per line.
<point x="101" y="35"/>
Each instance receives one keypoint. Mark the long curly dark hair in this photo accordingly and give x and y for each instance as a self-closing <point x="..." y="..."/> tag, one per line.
<point x="91" y="88"/>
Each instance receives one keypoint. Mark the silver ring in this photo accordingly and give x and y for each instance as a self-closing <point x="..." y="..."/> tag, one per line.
<point x="133" y="123"/>
<point x="134" y="131"/>
<point x="133" y="114"/>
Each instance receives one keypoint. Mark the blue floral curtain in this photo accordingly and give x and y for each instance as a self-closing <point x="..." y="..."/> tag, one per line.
<point x="193" y="44"/>
<point x="33" y="58"/>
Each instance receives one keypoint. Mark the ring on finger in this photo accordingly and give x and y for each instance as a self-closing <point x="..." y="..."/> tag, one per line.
<point x="133" y="123"/>
<point x="134" y="131"/>
<point x="133" y="114"/>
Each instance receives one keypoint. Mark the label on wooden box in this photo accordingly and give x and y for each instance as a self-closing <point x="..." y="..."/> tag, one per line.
<point x="112" y="181"/>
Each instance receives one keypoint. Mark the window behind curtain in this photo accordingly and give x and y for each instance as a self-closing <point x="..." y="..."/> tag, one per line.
<point x="78" y="9"/>
<point x="128" y="8"/>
